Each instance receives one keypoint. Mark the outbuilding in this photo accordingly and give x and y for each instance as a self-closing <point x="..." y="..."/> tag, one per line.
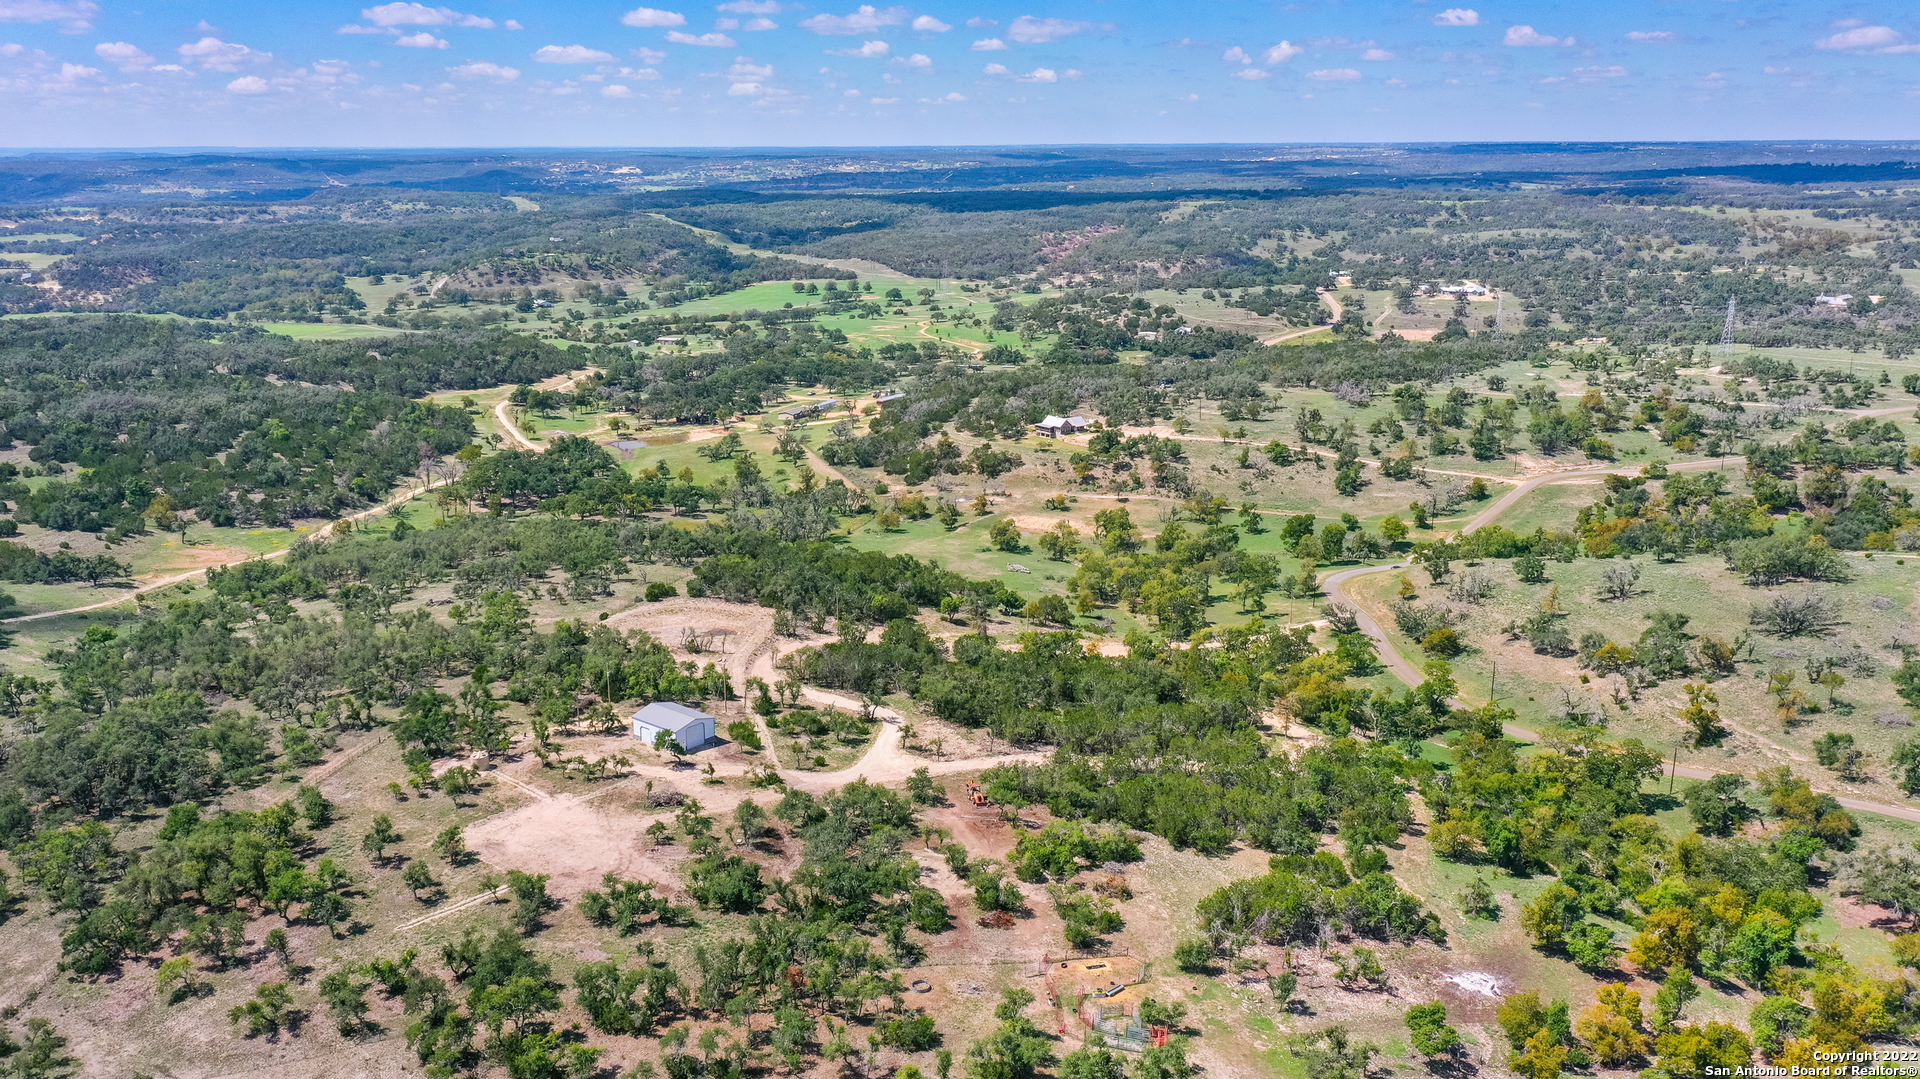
<point x="690" y="727"/>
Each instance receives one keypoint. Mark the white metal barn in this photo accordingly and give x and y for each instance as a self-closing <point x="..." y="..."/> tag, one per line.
<point x="690" y="727"/>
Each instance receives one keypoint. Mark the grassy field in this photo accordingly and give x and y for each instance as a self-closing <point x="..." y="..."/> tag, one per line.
<point x="328" y="331"/>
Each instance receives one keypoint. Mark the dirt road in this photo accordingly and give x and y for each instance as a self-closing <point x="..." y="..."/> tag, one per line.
<point x="1326" y="298"/>
<point x="557" y="382"/>
<point x="1506" y="501"/>
<point x="169" y="582"/>
<point x="1406" y="672"/>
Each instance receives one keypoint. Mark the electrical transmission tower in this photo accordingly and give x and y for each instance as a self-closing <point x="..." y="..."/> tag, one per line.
<point x="1499" y="304"/>
<point x="1726" y="333"/>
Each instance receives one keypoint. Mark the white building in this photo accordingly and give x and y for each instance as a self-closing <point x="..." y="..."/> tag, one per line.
<point x="1841" y="300"/>
<point x="1063" y="425"/>
<point x="690" y="727"/>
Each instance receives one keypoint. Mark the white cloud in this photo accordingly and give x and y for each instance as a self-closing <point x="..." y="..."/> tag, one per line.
<point x="1651" y="35"/>
<point x="954" y="95"/>
<point x="918" y="59"/>
<point x="646" y="16"/>
<point x="484" y="69"/>
<point x="1334" y="74"/>
<point x="1457" y="16"/>
<point x="649" y="56"/>
<point x="1236" y="55"/>
<point x="74" y="16"/>
<point x="217" y="55"/>
<point x="645" y="73"/>
<point x="989" y="44"/>
<point x="248" y="84"/>
<point x="1040" y="74"/>
<point x="1883" y="39"/>
<point x="931" y="25"/>
<point x="1282" y="52"/>
<point x="745" y="89"/>
<point x="1028" y="30"/>
<point x="868" y="49"/>
<point x="863" y="21"/>
<point x="1251" y="74"/>
<point x="1712" y="80"/>
<point x="407" y="14"/>
<point x="995" y="69"/>
<point x="851" y="93"/>
<point x="1191" y="98"/>
<point x="615" y="90"/>
<point x="351" y="28"/>
<point x="760" y="22"/>
<point x="1528" y="37"/>
<point x="126" y="57"/>
<point x="745" y="70"/>
<point x="726" y="24"/>
<point x="1376" y="54"/>
<point x="977" y="22"/>
<point x="570" y="54"/>
<point x="712" y="41"/>
<point x="1599" y="74"/>
<point x="513" y="24"/>
<point x="883" y="101"/>
<point x="421" y="40"/>
<point x="752" y="7"/>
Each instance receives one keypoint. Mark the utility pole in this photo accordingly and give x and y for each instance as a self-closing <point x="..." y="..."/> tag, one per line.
<point x="1675" y="769"/>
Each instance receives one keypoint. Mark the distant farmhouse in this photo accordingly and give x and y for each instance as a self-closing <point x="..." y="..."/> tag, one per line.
<point x="690" y="727"/>
<point x="1056" y="426"/>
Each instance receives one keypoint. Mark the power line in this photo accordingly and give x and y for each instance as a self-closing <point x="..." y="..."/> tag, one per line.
<point x="1726" y="333"/>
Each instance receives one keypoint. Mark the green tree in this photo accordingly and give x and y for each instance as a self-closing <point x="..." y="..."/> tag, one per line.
<point x="417" y="876"/>
<point x="530" y="899"/>
<point x="266" y="1013"/>
<point x="379" y="837"/>
<point x="1712" y="1048"/>
<point x="346" y="1001"/>
<point x="1717" y="806"/>
<point x="1016" y="1050"/>
<point x="1432" y="1037"/>
<point x="1333" y="1053"/>
<point x="1700" y="716"/>
<point x="1530" y="568"/>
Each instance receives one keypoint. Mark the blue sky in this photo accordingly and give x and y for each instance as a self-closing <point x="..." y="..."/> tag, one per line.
<point x="97" y="73"/>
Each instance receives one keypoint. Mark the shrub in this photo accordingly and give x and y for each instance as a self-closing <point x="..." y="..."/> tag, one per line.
<point x="659" y="590"/>
<point x="1193" y="955"/>
<point x="1443" y="643"/>
<point x="1796" y="614"/>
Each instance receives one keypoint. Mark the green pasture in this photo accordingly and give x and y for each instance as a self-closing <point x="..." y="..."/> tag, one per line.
<point x="328" y="331"/>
